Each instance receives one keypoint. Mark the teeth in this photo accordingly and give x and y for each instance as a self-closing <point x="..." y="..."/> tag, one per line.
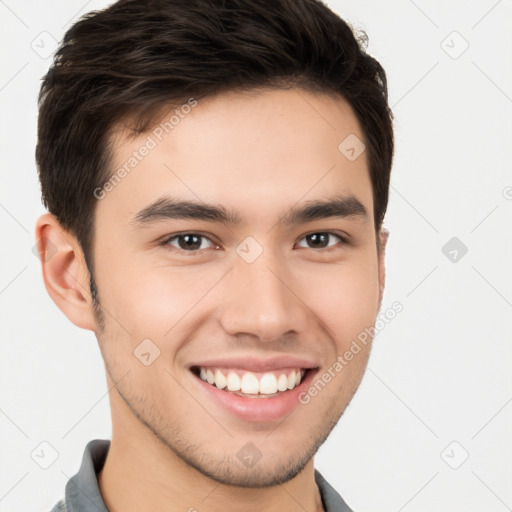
<point x="250" y="383"/>
<point x="220" y="380"/>
<point x="233" y="382"/>
<point x="268" y="384"/>
<point x="290" y="381"/>
<point x="282" y="382"/>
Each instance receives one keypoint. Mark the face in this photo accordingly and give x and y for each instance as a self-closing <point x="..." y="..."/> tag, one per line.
<point x="240" y="249"/>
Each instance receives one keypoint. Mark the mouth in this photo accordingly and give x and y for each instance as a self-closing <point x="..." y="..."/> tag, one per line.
<point x="251" y="384"/>
<point x="267" y="395"/>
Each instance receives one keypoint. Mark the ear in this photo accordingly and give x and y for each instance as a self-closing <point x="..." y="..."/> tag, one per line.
<point x="383" y="240"/>
<point x="65" y="273"/>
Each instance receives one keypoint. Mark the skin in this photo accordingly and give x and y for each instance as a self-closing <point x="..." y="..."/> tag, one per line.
<point x="260" y="155"/>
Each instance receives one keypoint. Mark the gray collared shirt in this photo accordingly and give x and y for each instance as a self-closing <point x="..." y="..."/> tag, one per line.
<point x="82" y="493"/>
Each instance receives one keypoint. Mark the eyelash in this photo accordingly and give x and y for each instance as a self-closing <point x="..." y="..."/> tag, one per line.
<point x="166" y="243"/>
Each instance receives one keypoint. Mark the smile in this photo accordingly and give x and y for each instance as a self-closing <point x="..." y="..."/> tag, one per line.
<point x="251" y="384"/>
<point x="253" y="389"/>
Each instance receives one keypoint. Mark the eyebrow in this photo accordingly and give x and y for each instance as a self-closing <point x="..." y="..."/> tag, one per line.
<point x="173" y="208"/>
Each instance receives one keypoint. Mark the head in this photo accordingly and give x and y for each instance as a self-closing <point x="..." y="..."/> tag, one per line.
<point x="216" y="176"/>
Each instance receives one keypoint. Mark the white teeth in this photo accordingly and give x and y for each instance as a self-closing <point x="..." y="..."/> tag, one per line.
<point x="250" y="383"/>
<point x="282" y="382"/>
<point x="291" y="380"/>
<point x="233" y="382"/>
<point x="267" y="384"/>
<point x="220" y="380"/>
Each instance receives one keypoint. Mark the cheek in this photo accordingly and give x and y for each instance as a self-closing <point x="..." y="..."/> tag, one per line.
<point x="153" y="299"/>
<point x="346" y="299"/>
<point x="147" y="314"/>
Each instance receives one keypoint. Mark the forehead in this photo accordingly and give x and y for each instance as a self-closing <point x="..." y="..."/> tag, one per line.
<point x="255" y="153"/>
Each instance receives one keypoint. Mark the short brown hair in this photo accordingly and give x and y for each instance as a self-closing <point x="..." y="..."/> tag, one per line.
<point x="129" y="60"/>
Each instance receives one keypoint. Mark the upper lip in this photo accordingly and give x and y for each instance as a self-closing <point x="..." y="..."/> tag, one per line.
<point x="255" y="364"/>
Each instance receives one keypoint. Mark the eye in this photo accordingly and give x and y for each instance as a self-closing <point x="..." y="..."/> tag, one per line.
<point x="188" y="242"/>
<point x="320" y="240"/>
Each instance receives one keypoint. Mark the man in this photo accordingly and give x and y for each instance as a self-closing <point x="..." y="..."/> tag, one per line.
<point x="217" y="176"/>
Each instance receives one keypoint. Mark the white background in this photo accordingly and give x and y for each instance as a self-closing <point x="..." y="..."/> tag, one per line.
<point x="439" y="372"/>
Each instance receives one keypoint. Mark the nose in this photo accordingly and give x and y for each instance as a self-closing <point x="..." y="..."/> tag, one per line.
<point x="263" y="299"/>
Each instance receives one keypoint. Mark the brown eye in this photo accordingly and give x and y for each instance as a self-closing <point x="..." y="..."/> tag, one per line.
<point x="322" y="240"/>
<point x="188" y="242"/>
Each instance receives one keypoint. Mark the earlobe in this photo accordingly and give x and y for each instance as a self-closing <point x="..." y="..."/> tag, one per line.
<point x="383" y="240"/>
<point x="65" y="273"/>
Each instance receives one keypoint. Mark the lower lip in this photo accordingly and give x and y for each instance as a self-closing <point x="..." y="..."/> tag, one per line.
<point x="257" y="409"/>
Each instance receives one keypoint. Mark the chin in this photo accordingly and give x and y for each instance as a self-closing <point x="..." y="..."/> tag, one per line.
<point x="257" y="476"/>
